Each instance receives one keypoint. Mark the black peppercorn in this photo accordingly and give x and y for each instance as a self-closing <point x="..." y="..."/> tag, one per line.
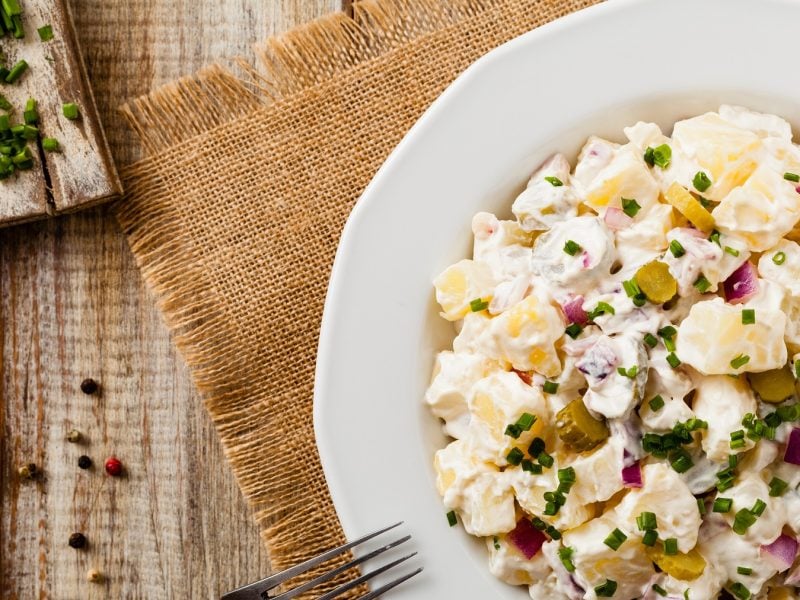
<point x="84" y="462"/>
<point x="77" y="540"/>
<point x="89" y="386"/>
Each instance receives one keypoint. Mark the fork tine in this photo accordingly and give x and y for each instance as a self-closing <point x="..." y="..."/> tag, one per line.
<point x="382" y="590"/>
<point x="330" y="574"/>
<point x="366" y="577"/>
<point x="266" y="584"/>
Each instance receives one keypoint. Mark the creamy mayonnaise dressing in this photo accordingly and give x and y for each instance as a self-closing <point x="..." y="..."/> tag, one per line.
<point x="623" y="376"/>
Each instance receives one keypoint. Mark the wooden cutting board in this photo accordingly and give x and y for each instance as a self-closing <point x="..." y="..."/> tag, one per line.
<point x="82" y="173"/>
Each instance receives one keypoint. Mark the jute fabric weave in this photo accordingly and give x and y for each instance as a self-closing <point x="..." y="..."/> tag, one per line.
<point x="235" y="213"/>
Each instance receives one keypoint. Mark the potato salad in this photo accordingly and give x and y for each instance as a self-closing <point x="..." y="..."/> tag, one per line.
<point x="621" y="394"/>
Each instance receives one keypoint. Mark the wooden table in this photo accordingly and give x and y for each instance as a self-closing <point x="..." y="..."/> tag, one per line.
<point x="73" y="305"/>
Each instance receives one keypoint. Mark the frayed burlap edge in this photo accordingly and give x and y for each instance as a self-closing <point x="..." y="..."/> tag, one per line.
<point x="302" y="59"/>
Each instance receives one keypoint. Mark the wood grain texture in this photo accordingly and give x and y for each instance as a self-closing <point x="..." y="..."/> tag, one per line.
<point x="72" y="305"/>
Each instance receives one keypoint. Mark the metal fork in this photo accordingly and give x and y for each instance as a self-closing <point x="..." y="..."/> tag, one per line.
<point x="259" y="590"/>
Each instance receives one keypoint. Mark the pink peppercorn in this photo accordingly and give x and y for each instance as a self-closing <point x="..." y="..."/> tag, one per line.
<point x="113" y="467"/>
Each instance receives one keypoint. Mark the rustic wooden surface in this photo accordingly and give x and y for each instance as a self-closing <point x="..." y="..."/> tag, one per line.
<point x="83" y="174"/>
<point x="72" y="305"/>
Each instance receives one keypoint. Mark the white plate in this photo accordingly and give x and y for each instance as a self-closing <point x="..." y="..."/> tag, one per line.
<point x="592" y="72"/>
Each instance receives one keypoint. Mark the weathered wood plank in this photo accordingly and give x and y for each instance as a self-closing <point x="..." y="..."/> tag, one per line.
<point x="72" y="305"/>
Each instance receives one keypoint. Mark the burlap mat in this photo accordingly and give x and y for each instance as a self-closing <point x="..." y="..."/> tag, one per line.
<point x="235" y="215"/>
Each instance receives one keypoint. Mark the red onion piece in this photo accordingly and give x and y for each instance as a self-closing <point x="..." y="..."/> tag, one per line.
<point x="782" y="551"/>
<point x="526" y="538"/>
<point x="615" y="219"/>
<point x="742" y="284"/>
<point x="797" y="189"/>
<point x="792" y="454"/>
<point x="574" y="312"/>
<point x="632" y="475"/>
<point x="524" y="376"/>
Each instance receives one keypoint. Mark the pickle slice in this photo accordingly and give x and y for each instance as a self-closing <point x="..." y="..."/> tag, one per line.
<point x="773" y="386"/>
<point x="689" y="207"/>
<point x="680" y="566"/>
<point x="656" y="282"/>
<point x="578" y="428"/>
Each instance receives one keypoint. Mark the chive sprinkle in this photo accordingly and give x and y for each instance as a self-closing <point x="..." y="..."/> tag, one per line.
<point x="531" y="467"/>
<point x="554" y="181"/>
<point x="777" y="487"/>
<point x="731" y="251"/>
<point x="515" y="456"/>
<point x="572" y="248"/>
<point x="673" y="360"/>
<point x="615" y="539"/>
<point x="676" y="248"/>
<point x="670" y="546"/>
<point x="742" y="521"/>
<point x="70" y="110"/>
<point x="758" y="507"/>
<point x="45" y="33"/>
<point x="701" y="506"/>
<point x="565" y="554"/>
<point x="536" y="447"/>
<point x="630" y="373"/>
<point x="51" y="144"/>
<point x="650" y="537"/>
<point x="744" y="570"/>
<point x="660" y="155"/>
<point x="656" y="403"/>
<point x="791" y="177"/>
<point x="647" y="520"/>
<point x="740" y="361"/>
<point x="545" y="460"/>
<point x="607" y="589"/>
<point x="650" y="340"/>
<point x="702" y="284"/>
<point x="601" y="309"/>
<point x="722" y="505"/>
<point x="451" y="518"/>
<point x="16" y="72"/>
<point x="659" y="590"/>
<point x="630" y="206"/>
<point x="478" y="304"/>
<point x="550" y="387"/>
<point x="779" y="258"/>
<point x="573" y="330"/>
<point x="701" y="181"/>
<point x="513" y="431"/>
<point x="748" y="316"/>
<point x="631" y="288"/>
<point x="740" y="591"/>
<point x="496" y="543"/>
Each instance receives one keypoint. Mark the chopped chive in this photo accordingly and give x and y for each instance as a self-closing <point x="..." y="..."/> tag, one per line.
<point x="573" y="330"/>
<point x="660" y="155"/>
<point x="742" y="521"/>
<point x="16" y="72"/>
<point x="601" y="309"/>
<point x="731" y="251"/>
<point x="744" y="570"/>
<point x="451" y="518"/>
<point x="788" y="413"/>
<point x="714" y="237"/>
<point x="649" y="156"/>
<point x="31" y="115"/>
<point x="630" y="373"/>
<point x="740" y="361"/>
<point x="565" y="554"/>
<point x="515" y="456"/>
<point x="680" y="461"/>
<point x="553" y="532"/>
<point x="526" y="421"/>
<point x="615" y="539"/>
<point x="630" y="206"/>
<point x="45" y="33"/>
<point x="702" y="284"/>
<point x="779" y="258"/>
<point x="701" y="507"/>
<point x="659" y="590"/>
<point x="650" y="537"/>
<point x="670" y="546"/>
<point x="656" y="403"/>
<point x="12" y="8"/>
<point x="607" y="589"/>
<point x="647" y="520"/>
<point x="545" y="460"/>
<point x="550" y="387"/>
<point x="631" y="288"/>
<point x="686" y="594"/>
<point x="748" y="316"/>
<point x="496" y="543"/>
<point x="538" y="524"/>
<point x="777" y="487"/>
<point x="551" y="509"/>
<point x="70" y="110"/>
<point x="554" y="181"/>
<point x="701" y="181"/>
<point x="572" y="248"/>
<point x="566" y="475"/>
<point x="650" y="340"/>
<point x="51" y="144"/>
<point x="673" y="360"/>
<point x="758" y="507"/>
<point x="676" y="248"/>
<point x="478" y="304"/>
<point x="513" y="431"/>
<point x="773" y="419"/>
<point x="741" y="592"/>
<point x="531" y="467"/>
<point x="791" y="177"/>
<point x="722" y="505"/>
<point x="536" y="447"/>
